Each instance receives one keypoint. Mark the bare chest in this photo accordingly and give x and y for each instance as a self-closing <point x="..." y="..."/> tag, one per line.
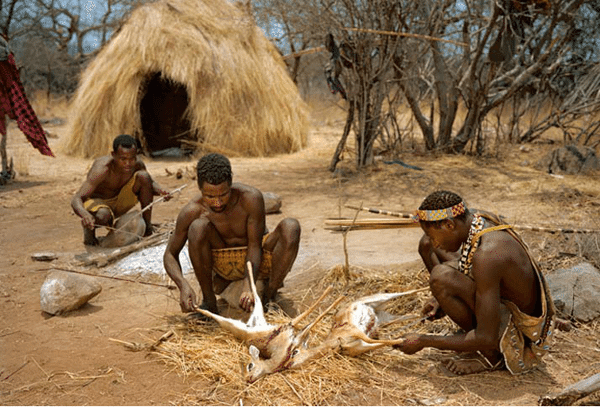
<point x="232" y="226"/>
<point x="112" y="185"/>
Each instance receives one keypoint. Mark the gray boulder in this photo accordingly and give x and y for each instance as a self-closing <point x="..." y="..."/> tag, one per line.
<point x="570" y="160"/>
<point x="576" y="291"/>
<point x="63" y="292"/>
<point x="130" y="228"/>
<point x="272" y="202"/>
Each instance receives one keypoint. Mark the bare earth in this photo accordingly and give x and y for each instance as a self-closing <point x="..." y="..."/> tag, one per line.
<point x="70" y="360"/>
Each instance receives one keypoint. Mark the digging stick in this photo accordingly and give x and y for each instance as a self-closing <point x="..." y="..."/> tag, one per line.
<point x="102" y="259"/>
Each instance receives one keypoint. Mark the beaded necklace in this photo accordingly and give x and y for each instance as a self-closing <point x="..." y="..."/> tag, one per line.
<point x="470" y="247"/>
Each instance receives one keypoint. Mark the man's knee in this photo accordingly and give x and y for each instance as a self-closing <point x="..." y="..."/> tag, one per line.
<point x="199" y="231"/>
<point x="441" y="279"/>
<point x="103" y="216"/>
<point x="143" y="179"/>
<point x="290" y="228"/>
<point x="425" y="247"/>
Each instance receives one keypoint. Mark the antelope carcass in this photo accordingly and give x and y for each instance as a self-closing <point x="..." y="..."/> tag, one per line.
<point x="353" y="330"/>
<point x="269" y="344"/>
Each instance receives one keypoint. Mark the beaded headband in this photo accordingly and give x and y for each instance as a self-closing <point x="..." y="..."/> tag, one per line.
<point x="441" y="214"/>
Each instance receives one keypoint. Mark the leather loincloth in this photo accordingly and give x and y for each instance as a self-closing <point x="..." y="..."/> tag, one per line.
<point x="119" y="205"/>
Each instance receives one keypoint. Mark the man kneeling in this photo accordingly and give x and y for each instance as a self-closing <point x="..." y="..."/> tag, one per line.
<point x="225" y="228"/>
<point x="493" y="289"/>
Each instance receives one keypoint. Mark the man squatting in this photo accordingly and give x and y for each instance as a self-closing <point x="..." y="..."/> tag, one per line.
<point x="493" y="289"/>
<point x="113" y="186"/>
<point x="225" y="228"/>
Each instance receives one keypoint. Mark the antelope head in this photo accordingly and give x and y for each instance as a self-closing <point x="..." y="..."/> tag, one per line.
<point x="291" y="354"/>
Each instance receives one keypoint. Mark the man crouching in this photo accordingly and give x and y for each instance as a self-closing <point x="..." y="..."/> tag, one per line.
<point x="225" y="228"/>
<point x="114" y="185"/>
<point x="484" y="278"/>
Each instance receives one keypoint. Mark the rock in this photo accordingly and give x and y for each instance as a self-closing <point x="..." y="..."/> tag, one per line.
<point x="272" y="202"/>
<point x="233" y="291"/>
<point x="576" y="291"/>
<point x="44" y="256"/>
<point x="130" y="229"/>
<point x="570" y="160"/>
<point x="63" y="292"/>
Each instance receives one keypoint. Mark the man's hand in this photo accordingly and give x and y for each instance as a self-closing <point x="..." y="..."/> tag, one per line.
<point x="88" y="221"/>
<point x="163" y="193"/>
<point x="187" y="299"/>
<point x="412" y="344"/>
<point x="247" y="301"/>
<point x="432" y="310"/>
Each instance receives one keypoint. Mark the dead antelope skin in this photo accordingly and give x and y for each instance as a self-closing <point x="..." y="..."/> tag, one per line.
<point x="266" y="342"/>
<point x="352" y="334"/>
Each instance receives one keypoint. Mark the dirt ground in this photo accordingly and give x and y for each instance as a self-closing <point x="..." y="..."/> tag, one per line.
<point x="71" y="360"/>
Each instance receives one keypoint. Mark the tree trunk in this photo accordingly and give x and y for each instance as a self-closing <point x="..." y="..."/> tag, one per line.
<point x="342" y="142"/>
<point x="446" y="95"/>
<point x="424" y="124"/>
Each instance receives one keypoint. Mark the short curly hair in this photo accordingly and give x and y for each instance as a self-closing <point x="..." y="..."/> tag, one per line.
<point x="215" y="169"/>
<point x="440" y="200"/>
<point x="124" y="140"/>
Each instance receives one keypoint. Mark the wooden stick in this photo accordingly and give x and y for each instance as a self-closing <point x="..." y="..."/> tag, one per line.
<point x="397" y="34"/>
<point x="381" y="212"/>
<point x="517" y="227"/>
<point x="160" y="199"/>
<point x="572" y="393"/>
<point x="117" y="230"/>
<point x="102" y="259"/>
<point x="304" y="52"/>
<point x="344" y="224"/>
<point x="169" y="286"/>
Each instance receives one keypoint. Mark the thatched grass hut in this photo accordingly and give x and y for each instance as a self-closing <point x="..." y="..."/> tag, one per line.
<point x="193" y="72"/>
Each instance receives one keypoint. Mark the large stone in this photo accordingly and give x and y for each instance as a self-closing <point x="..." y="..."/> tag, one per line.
<point x="272" y="202"/>
<point x="130" y="228"/>
<point x="570" y="160"/>
<point x="233" y="292"/>
<point x="63" y="292"/>
<point x="576" y="291"/>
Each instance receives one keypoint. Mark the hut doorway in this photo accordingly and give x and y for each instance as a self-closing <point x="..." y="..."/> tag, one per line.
<point x="164" y="124"/>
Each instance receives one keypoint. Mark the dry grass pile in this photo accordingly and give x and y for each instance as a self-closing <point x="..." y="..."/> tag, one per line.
<point x="212" y="360"/>
<point x="240" y="96"/>
<point x="203" y="350"/>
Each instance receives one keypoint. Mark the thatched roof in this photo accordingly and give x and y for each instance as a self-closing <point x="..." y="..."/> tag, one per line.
<point x="239" y="95"/>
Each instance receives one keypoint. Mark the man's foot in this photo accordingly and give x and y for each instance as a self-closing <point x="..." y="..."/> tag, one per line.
<point x="149" y="230"/>
<point x="89" y="238"/>
<point x="473" y="363"/>
<point x="563" y="325"/>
